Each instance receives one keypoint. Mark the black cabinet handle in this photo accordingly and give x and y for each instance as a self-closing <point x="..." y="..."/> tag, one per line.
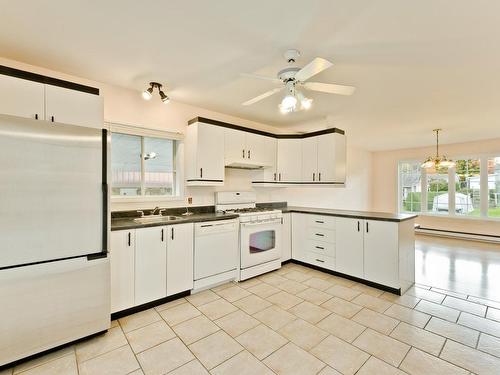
<point x="319" y="176"/>
<point x="275" y="177"/>
<point x="314" y="175"/>
<point x="162" y="235"/>
<point x="320" y="247"/>
<point x="249" y="154"/>
<point x="129" y="238"/>
<point x="52" y="118"/>
<point x="320" y="222"/>
<point x="243" y="154"/>
<point x="367" y="227"/>
<point x="321" y="261"/>
<point x="320" y="235"/>
<point x="358" y="225"/>
<point x="201" y="172"/>
<point x="172" y="236"/>
<point x="36" y="116"/>
<point x="281" y="221"/>
<point x="279" y="175"/>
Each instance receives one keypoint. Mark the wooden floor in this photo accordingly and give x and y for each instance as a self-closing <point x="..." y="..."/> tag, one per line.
<point x="467" y="267"/>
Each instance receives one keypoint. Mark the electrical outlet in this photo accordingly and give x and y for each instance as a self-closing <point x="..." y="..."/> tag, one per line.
<point x="190" y="200"/>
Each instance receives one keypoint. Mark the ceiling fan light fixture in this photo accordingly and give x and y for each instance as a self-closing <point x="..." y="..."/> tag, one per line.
<point x="289" y="102"/>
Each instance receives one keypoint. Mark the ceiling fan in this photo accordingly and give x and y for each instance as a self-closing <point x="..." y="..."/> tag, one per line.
<point x="294" y="78"/>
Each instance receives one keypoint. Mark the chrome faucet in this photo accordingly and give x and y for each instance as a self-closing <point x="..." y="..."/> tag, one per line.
<point x="153" y="211"/>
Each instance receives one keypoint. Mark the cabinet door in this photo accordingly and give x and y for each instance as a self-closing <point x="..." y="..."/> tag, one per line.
<point x="263" y="150"/>
<point x="150" y="264"/>
<point x="349" y="246"/>
<point x="331" y="158"/>
<point x="286" y="241"/>
<point x="20" y="97"/>
<point x="310" y="159"/>
<point x="299" y="237"/>
<point x="122" y="259"/>
<point x="234" y="145"/>
<point x="179" y="258"/>
<point x="73" y="107"/>
<point x="289" y="160"/>
<point x="210" y="152"/>
<point x="381" y="252"/>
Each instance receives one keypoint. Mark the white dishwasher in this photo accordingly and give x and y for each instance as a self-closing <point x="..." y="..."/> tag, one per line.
<point x="216" y="248"/>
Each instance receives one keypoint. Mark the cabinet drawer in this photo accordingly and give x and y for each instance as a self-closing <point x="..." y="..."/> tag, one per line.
<point x="320" y="234"/>
<point x="320" y="260"/>
<point x="320" y="221"/>
<point x="323" y="248"/>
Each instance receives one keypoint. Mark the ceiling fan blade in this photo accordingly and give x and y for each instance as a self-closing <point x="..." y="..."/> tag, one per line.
<point x="257" y="76"/>
<point x="314" y="67"/>
<point x="263" y="96"/>
<point x="330" y="88"/>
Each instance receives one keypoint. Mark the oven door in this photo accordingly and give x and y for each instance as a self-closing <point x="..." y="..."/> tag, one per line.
<point x="260" y="242"/>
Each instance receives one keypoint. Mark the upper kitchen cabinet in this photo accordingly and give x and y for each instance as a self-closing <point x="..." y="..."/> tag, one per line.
<point x="331" y="158"/>
<point x="204" y="154"/>
<point x="73" y="107"/>
<point x="324" y="159"/>
<point x="22" y="98"/>
<point x="30" y="95"/>
<point x="248" y="150"/>
<point x="289" y="160"/>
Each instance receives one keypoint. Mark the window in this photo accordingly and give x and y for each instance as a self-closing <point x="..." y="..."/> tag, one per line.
<point x="461" y="191"/>
<point x="411" y="185"/>
<point x="142" y="166"/>
<point x="494" y="187"/>
<point x="437" y="191"/>
<point x="467" y="196"/>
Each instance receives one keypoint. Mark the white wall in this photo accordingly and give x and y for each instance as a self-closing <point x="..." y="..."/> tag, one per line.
<point x="126" y="106"/>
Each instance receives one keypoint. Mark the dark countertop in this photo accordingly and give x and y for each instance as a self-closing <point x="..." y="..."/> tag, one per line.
<point x="382" y="216"/>
<point x="124" y="223"/>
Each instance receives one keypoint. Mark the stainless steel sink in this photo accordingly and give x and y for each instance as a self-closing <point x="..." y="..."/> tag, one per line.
<point x="156" y="219"/>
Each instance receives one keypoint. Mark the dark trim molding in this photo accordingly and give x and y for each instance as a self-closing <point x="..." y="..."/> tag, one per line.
<point x="203" y="179"/>
<point x="298" y="183"/>
<point x="12" y="72"/>
<point x="146" y="306"/>
<point x="261" y="132"/>
<point x="353" y="278"/>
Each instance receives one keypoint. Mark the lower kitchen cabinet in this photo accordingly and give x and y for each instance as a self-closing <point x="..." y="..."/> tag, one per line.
<point x="381" y="256"/>
<point x="379" y="251"/>
<point x="286" y="233"/>
<point x="180" y="258"/>
<point x="350" y="246"/>
<point x="150" y="264"/>
<point x="122" y="264"/>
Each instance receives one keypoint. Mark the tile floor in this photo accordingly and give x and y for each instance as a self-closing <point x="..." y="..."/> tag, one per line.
<point x="293" y="321"/>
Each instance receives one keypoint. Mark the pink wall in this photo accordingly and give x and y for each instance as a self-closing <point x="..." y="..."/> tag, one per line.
<point x="385" y="183"/>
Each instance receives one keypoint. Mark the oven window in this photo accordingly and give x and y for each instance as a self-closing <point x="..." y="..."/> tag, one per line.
<point x="262" y="241"/>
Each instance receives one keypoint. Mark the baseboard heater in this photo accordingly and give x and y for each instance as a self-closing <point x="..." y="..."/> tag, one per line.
<point x="456" y="234"/>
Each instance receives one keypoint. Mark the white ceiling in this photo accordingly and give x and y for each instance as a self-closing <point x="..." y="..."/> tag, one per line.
<point x="417" y="65"/>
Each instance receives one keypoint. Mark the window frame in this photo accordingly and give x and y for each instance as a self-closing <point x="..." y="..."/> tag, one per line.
<point x="484" y="197"/>
<point x="178" y="163"/>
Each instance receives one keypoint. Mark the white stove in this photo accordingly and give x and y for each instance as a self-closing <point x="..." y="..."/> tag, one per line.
<point x="260" y="232"/>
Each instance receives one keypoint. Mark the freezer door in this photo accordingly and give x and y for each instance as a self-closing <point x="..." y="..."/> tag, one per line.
<point x="51" y="191"/>
<point x="50" y="304"/>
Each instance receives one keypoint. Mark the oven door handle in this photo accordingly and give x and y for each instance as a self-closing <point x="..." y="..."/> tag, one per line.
<point x="274" y="221"/>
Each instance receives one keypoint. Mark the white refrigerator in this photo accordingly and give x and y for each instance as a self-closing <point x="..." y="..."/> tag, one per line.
<point x="54" y="269"/>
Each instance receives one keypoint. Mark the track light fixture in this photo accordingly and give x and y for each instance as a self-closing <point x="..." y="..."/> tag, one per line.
<point x="148" y="93"/>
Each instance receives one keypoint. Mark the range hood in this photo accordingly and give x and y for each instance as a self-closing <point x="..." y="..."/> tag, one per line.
<point x="245" y="164"/>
